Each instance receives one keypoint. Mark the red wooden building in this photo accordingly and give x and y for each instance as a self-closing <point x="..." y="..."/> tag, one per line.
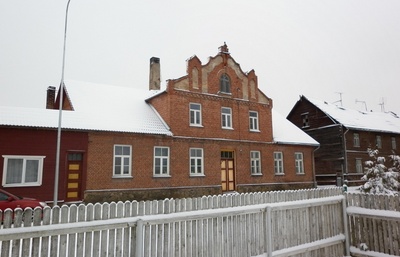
<point x="28" y="138"/>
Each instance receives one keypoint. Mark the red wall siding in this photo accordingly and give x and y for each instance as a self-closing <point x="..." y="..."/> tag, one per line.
<point x="23" y="141"/>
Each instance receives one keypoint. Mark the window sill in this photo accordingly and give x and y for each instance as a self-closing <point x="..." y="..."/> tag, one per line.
<point x="197" y="175"/>
<point x="301" y="174"/>
<point x="118" y="177"/>
<point x="255" y="130"/>
<point x="196" y="125"/>
<point x="256" y="174"/>
<point x="279" y="174"/>
<point x="22" y="185"/>
<point x="227" y="128"/>
<point x="161" y="176"/>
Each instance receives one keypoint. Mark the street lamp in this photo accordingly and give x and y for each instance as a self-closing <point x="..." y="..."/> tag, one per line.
<point x="61" y="92"/>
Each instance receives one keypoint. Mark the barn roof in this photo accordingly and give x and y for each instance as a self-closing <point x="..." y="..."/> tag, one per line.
<point x="369" y="121"/>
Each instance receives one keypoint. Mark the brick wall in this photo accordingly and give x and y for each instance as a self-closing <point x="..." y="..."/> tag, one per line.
<point x="143" y="185"/>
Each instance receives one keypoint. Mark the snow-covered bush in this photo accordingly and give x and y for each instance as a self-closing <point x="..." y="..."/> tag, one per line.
<point x="379" y="179"/>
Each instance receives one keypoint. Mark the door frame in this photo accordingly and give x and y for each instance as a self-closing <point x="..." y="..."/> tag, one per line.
<point x="229" y="183"/>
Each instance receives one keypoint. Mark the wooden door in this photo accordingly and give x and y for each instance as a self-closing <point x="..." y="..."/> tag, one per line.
<point x="74" y="177"/>
<point x="228" y="175"/>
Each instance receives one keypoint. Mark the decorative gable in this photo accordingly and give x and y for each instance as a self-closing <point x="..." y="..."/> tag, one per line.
<point x="221" y="76"/>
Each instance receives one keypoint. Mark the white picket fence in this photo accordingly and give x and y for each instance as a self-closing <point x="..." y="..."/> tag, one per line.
<point x="301" y="223"/>
<point x="374" y="222"/>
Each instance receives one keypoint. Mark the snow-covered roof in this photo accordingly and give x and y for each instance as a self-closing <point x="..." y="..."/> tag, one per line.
<point x="101" y="107"/>
<point x="285" y="132"/>
<point x="353" y="119"/>
<point x="96" y="107"/>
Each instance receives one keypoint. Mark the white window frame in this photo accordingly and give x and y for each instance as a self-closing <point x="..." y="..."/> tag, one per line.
<point x="24" y="158"/>
<point x="278" y="163"/>
<point x="196" y="114"/>
<point x="161" y="162"/>
<point x="356" y="140"/>
<point x="253" y="121"/>
<point x="126" y="161"/>
<point x="394" y="145"/>
<point x="379" y="142"/>
<point x="299" y="162"/>
<point x="226" y="118"/>
<point x="255" y="162"/>
<point x="359" y="166"/>
<point x="196" y="162"/>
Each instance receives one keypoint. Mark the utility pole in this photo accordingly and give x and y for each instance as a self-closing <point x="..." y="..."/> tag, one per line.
<point x="61" y="93"/>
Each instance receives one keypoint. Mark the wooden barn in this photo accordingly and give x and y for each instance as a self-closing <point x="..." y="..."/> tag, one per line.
<point x="344" y="136"/>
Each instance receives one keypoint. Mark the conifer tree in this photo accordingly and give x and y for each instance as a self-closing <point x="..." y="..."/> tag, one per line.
<point x="380" y="179"/>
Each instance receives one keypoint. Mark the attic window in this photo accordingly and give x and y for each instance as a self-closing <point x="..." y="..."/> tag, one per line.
<point x="304" y="118"/>
<point x="224" y="84"/>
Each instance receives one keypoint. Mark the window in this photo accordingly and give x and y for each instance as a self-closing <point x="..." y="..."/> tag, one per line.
<point x="304" y="118"/>
<point x="253" y="120"/>
<point x="359" y="167"/>
<point x="255" y="163"/>
<point x="226" y="155"/>
<point x="224" y="84"/>
<point x="393" y="139"/>
<point x="356" y="140"/>
<point x="122" y="160"/>
<point x="195" y="114"/>
<point x="378" y="141"/>
<point x="226" y="117"/>
<point x="278" y="162"/>
<point x="161" y="161"/>
<point x="298" y="158"/>
<point x="196" y="161"/>
<point x="22" y="170"/>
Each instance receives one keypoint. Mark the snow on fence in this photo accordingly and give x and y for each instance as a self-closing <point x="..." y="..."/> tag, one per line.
<point x="374" y="222"/>
<point x="225" y="225"/>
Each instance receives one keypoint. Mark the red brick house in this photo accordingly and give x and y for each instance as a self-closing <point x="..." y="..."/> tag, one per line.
<point x="344" y="136"/>
<point x="220" y="134"/>
<point x="208" y="132"/>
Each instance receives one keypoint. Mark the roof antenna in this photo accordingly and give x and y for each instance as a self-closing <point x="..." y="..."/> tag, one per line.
<point x="365" y="104"/>
<point x="341" y="101"/>
<point x="382" y="104"/>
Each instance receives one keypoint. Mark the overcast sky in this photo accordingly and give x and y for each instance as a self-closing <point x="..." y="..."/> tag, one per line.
<point x="320" y="49"/>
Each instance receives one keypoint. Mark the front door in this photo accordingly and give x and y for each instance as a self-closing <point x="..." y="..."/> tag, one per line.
<point x="227" y="171"/>
<point x="74" y="177"/>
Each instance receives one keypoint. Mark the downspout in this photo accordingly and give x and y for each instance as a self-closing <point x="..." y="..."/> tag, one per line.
<point x="344" y="171"/>
<point x="313" y="166"/>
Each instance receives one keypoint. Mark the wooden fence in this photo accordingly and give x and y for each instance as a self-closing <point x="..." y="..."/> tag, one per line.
<point x="112" y="229"/>
<point x="374" y="222"/>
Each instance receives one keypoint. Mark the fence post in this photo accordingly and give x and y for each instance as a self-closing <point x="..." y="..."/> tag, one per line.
<point x="139" y="238"/>
<point x="345" y="224"/>
<point x="269" y="231"/>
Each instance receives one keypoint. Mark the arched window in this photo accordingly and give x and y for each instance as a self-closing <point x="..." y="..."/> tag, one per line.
<point x="224" y="83"/>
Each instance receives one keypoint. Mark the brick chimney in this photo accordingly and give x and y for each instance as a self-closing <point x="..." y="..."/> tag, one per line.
<point x="155" y="80"/>
<point x="51" y="97"/>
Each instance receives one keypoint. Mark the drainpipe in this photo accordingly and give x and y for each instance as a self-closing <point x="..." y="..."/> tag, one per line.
<point x="313" y="166"/>
<point x="344" y="170"/>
